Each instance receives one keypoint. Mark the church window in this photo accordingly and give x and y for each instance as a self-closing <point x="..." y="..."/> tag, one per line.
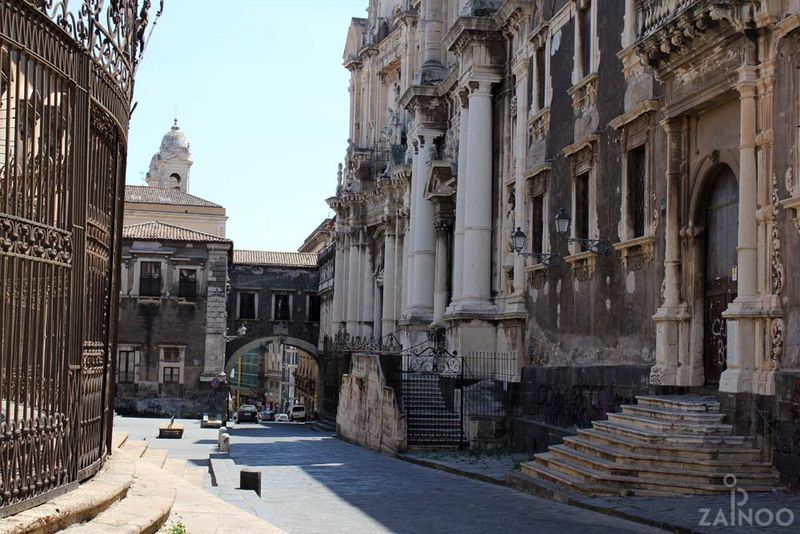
<point x="247" y="305"/>
<point x="581" y="228"/>
<point x="636" y="191"/>
<point x="150" y="279"/>
<point x="282" y="307"/>
<point x="187" y="283"/>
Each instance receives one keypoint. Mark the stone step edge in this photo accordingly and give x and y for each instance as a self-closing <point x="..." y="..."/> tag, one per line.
<point x="653" y="437"/>
<point x="601" y="464"/>
<point x="83" y="503"/>
<point x="132" y="515"/>
<point x="591" y="433"/>
<point x="572" y="441"/>
<point x="667" y="414"/>
<point x="701" y="405"/>
<point x="680" y="427"/>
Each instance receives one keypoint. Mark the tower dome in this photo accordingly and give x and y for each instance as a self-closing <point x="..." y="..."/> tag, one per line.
<point x="170" y="166"/>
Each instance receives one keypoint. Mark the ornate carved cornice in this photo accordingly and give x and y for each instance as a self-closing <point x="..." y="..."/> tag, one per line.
<point x="468" y="30"/>
<point x="675" y="28"/>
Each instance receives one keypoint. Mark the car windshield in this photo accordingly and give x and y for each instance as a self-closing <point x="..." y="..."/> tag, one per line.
<point x="299" y="409"/>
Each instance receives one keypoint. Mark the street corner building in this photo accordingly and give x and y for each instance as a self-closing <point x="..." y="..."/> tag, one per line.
<point x="547" y="209"/>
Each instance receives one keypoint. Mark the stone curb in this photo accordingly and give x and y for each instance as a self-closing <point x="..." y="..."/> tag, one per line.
<point x="452" y="470"/>
<point x="88" y="500"/>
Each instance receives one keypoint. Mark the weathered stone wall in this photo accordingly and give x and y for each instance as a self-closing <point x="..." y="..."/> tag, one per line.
<point x="551" y="402"/>
<point x="369" y="412"/>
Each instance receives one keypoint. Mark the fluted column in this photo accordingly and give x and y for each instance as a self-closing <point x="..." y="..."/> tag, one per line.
<point x="458" y="233"/>
<point x="476" y="289"/>
<point x="420" y="305"/>
<point x="388" y="306"/>
<point x="367" y="289"/>
<point x="743" y="313"/>
<point x="520" y="160"/>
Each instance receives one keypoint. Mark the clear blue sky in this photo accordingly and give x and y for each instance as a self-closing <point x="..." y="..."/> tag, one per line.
<point x="261" y="93"/>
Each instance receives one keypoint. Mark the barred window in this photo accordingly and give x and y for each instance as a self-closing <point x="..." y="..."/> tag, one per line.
<point x="172" y="375"/>
<point x="187" y="283"/>
<point x="247" y="305"/>
<point x="150" y="279"/>
<point x="282" y="310"/>
<point x="127" y="367"/>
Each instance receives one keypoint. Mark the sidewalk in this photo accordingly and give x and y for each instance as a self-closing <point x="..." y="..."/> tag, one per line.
<point x="705" y="513"/>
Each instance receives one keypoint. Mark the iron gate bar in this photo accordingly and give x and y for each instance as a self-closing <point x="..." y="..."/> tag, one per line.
<point x="66" y="83"/>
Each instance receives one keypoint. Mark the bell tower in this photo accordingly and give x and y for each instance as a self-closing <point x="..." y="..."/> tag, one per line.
<point x="171" y="165"/>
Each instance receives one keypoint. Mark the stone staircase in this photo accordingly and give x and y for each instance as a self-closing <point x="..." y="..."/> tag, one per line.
<point x="138" y="490"/>
<point x="661" y="446"/>
<point x="430" y="422"/>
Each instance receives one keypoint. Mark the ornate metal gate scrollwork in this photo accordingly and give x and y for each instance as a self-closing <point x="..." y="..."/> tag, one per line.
<point x="66" y="83"/>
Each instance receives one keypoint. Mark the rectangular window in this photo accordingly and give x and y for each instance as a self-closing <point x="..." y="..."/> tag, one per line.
<point x="247" y="305"/>
<point x="537" y="224"/>
<point x="187" y="283"/>
<point x="585" y="21"/>
<point x="540" y="78"/>
<point x="282" y="310"/>
<point x="581" y="228"/>
<point x="126" y="367"/>
<point x="313" y="308"/>
<point x="636" y="190"/>
<point x="172" y="375"/>
<point x="150" y="279"/>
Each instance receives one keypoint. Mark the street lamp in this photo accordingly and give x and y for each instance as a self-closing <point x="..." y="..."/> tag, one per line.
<point x="518" y="239"/>
<point x="598" y="247"/>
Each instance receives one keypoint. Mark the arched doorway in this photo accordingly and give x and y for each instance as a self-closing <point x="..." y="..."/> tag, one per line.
<point x="721" y="224"/>
<point x="274" y="372"/>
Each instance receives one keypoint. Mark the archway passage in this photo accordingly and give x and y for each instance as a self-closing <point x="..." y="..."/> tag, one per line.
<point x="720" y="268"/>
<point x="274" y="372"/>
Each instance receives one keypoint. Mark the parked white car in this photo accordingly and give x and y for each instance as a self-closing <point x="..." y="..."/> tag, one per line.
<point x="281" y="418"/>
<point x="297" y="413"/>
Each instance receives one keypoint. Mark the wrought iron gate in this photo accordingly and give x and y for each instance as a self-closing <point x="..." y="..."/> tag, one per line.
<point x="433" y="400"/>
<point x="66" y="82"/>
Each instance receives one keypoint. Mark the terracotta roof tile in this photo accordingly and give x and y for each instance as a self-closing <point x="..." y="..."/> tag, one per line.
<point x="274" y="259"/>
<point x="145" y="194"/>
<point x="158" y="231"/>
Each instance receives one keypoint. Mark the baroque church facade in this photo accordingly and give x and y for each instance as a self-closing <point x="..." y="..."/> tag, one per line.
<point x="602" y="192"/>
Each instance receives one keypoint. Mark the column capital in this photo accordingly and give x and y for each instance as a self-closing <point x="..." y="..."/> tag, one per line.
<point x="480" y="87"/>
<point x="520" y="68"/>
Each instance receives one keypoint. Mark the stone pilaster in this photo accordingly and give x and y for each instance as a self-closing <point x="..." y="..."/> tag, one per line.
<point x="216" y="301"/>
<point x="673" y="355"/>
<point x="743" y="313"/>
<point x="520" y="158"/>
<point x="352" y="291"/>
<point x="389" y="286"/>
<point x="458" y="235"/>
<point x="443" y="225"/>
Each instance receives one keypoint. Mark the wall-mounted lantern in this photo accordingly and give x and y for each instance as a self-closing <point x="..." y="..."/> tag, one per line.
<point x="598" y="247"/>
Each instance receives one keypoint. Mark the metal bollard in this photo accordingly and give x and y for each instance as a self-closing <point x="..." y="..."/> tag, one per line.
<point x="225" y="443"/>
<point x="250" y="479"/>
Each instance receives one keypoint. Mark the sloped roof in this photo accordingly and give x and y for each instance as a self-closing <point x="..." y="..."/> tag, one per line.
<point x="158" y="231"/>
<point x="145" y="194"/>
<point x="274" y="259"/>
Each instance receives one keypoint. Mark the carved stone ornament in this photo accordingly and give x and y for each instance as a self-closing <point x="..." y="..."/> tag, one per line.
<point x="537" y="278"/>
<point x="583" y="268"/>
<point x="776" y="331"/>
<point x="790" y="185"/>
<point x="656" y="375"/>
<point x="776" y="265"/>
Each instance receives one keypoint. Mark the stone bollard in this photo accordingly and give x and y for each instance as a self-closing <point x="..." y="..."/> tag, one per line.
<point x="222" y="430"/>
<point x="225" y="443"/>
<point x="250" y="479"/>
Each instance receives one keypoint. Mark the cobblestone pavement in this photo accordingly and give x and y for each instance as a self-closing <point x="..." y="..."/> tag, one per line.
<point x="313" y="482"/>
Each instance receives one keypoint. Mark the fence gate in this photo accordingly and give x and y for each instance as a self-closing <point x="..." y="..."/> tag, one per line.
<point x="66" y="81"/>
<point x="432" y="398"/>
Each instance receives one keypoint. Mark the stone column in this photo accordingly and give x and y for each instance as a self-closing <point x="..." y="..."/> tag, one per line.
<point x="520" y="160"/>
<point x="367" y="288"/>
<point x="432" y="61"/>
<point x="629" y="32"/>
<point x="458" y="235"/>
<point x="743" y="312"/>
<point x="339" y="281"/>
<point x="673" y="363"/>
<point x="217" y="277"/>
<point x="353" y="281"/>
<point x="420" y="305"/>
<point x="477" y="264"/>
<point x="442" y="225"/>
<point x="387" y="312"/>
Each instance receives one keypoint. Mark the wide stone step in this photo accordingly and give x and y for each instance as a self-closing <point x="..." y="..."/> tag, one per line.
<point x="135" y="448"/>
<point x="653" y="457"/>
<point x="196" y="476"/>
<point x="157" y="457"/>
<point x="671" y="427"/>
<point x="175" y="466"/>
<point x="632" y="484"/>
<point x="540" y="470"/>
<point x="672" y="415"/>
<point x="118" y="438"/>
<point x="652" y="436"/>
<point x="675" y="450"/>
<point x="686" y="403"/>
<point x="677" y="475"/>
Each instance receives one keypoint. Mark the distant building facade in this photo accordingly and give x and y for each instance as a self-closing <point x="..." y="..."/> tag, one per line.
<point x="171" y="337"/>
<point x="273" y="295"/>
